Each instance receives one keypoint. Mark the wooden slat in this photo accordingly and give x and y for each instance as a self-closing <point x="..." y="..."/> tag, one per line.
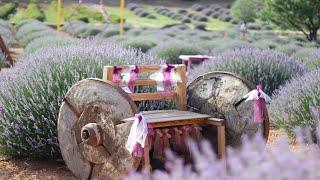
<point x="195" y="122"/>
<point x="174" y="116"/>
<point x="141" y="82"/>
<point x="150" y="96"/>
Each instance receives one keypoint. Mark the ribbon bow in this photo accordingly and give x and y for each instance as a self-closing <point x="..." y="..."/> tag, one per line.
<point x="166" y="78"/>
<point x="116" y="74"/>
<point x="139" y="132"/>
<point x="260" y="98"/>
<point x="129" y="77"/>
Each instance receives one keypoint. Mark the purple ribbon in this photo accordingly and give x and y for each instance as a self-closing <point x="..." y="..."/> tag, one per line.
<point x="258" y="106"/>
<point x="116" y="74"/>
<point x="133" y="77"/>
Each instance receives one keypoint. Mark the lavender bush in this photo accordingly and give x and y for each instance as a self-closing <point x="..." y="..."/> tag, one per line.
<point x="303" y="53"/>
<point x="291" y="103"/>
<point x="251" y="161"/>
<point x="170" y="51"/>
<point x="32" y="30"/>
<point x="31" y="92"/>
<point x="48" y="41"/>
<point x="267" y="67"/>
<point x="6" y="33"/>
<point x="313" y="61"/>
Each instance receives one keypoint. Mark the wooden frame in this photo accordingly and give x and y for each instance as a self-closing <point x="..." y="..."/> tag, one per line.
<point x="179" y="95"/>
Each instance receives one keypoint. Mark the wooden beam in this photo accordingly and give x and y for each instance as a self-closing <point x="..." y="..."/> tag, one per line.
<point x="151" y="96"/>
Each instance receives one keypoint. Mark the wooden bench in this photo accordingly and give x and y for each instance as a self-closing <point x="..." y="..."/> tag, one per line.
<point x="171" y="118"/>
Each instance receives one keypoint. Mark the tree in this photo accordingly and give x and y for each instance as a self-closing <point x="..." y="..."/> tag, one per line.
<point x="245" y="10"/>
<point x="301" y="15"/>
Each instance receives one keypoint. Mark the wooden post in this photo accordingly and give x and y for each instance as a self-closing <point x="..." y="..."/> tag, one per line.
<point x="107" y="73"/>
<point x="122" y="4"/>
<point x="58" y="22"/>
<point x="6" y="51"/>
<point x="182" y="87"/>
<point x="221" y="141"/>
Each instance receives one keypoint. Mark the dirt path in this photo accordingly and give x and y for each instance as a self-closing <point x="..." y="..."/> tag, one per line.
<point x="26" y="169"/>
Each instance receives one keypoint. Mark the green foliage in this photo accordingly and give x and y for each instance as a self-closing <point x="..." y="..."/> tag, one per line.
<point x="86" y="15"/>
<point x="170" y="51"/>
<point x="143" y="44"/>
<point x="301" y="15"/>
<point x="34" y="12"/>
<point x="7" y="9"/>
<point x="245" y="10"/>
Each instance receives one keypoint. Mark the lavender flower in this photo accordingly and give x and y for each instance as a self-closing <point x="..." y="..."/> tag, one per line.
<point x="267" y="67"/>
<point x="291" y="108"/>
<point x="31" y="92"/>
<point x="251" y="161"/>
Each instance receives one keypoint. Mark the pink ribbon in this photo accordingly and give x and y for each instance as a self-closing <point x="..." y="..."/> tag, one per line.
<point x="258" y="106"/>
<point x="167" y="81"/>
<point x="116" y="74"/>
<point x="133" y="77"/>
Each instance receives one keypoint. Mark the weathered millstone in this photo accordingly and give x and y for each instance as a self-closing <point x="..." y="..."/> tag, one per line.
<point x="91" y="136"/>
<point x="220" y="94"/>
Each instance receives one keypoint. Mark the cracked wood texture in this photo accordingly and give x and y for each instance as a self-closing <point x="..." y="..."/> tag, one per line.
<point x="95" y="101"/>
<point x="219" y="94"/>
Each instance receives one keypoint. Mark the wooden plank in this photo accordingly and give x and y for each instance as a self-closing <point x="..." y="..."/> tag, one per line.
<point x="182" y="87"/>
<point x="150" y="96"/>
<point x="174" y="114"/>
<point x="6" y="51"/>
<point x="141" y="82"/>
<point x="107" y="73"/>
<point x="216" y="121"/>
<point x="195" y="122"/>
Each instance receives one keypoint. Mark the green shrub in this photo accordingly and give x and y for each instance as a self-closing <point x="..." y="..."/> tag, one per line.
<point x="267" y="67"/>
<point x="265" y="44"/>
<point x="34" y="12"/>
<point x="110" y="32"/>
<point x="288" y="49"/>
<point x="246" y="10"/>
<point x="92" y="32"/>
<point x="44" y="41"/>
<point x="170" y="51"/>
<point x="303" y="53"/>
<point x="7" y="9"/>
<point x="87" y="15"/>
<point x="140" y="43"/>
<point x="222" y="45"/>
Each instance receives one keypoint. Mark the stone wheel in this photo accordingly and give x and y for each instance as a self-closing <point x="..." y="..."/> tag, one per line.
<point x="91" y="136"/>
<point x="220" y="94"/>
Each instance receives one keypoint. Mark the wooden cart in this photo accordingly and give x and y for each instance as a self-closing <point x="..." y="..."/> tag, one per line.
<point x="96" y="116"/>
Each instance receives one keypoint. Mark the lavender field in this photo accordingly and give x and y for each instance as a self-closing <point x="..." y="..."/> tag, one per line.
<point x="251" y="38"/>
